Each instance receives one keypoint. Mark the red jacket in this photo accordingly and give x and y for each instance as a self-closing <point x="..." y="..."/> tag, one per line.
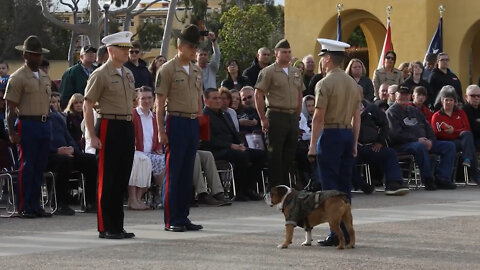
<point x="424" y="110"/>
<point x="458" y="120"/>
<point x="138" y="129"/>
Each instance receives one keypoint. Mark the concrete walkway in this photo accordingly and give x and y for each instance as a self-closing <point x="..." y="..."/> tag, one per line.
<point x="423" y="230"/>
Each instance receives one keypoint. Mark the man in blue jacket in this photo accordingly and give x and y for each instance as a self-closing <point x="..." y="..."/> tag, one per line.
<point x="138" y="67"/>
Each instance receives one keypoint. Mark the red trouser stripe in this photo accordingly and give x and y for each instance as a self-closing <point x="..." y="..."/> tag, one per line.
<point x="166" y="205"/>
<point x="20" y="170"/>
<point x="103" y="135"/>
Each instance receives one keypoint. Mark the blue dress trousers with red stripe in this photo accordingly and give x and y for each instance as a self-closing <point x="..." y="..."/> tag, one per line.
<point x="182" y="146"/>
<point x="33" y="149"/>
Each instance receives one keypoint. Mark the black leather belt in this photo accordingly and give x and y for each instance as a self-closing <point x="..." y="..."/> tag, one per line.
<point x="40" y="118"/>
<point x="124" y="117"/>
<point x="181" y="114"/>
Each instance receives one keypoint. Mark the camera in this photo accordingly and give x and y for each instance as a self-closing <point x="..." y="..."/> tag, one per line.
<point x="204" y="33"/>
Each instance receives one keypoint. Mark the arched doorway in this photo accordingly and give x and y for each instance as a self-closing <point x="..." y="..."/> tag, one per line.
<point x="372" y="28"/>
<point x="469" y="55"/>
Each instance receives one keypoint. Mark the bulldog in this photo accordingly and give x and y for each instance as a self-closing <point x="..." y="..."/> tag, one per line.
<point x="308" y="209"/>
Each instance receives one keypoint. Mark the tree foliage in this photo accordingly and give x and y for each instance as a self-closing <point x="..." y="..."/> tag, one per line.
<point x="198" y="7"/>
<point x="150" y="36"/>
<point x="357" y="38"/>
<point x="21" y="19"/>
<point x="243" y="32"/>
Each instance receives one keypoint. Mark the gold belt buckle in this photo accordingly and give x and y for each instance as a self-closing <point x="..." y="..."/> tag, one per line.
<point x="193" y="116"/>
<point x="129" y="118"/>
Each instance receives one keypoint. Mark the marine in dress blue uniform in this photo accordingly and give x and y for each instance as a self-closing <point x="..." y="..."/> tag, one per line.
<point x="336" y="121"/>
<point x="28" y="91"/>
<point x="178" y="90"/>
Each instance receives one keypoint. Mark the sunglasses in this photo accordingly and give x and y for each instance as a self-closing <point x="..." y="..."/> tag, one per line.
<point x="390" y="58"/>
<point x="134" y="51"/>
<point x="247" y="97"/>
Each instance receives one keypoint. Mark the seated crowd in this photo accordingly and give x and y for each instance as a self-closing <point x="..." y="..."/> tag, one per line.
<point x="401" y="113"/>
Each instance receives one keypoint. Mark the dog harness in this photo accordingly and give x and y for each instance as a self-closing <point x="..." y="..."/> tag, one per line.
<point x="302" y="203"/>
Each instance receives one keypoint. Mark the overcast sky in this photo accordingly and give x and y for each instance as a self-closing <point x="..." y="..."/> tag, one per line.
<point x="83" y="3"/>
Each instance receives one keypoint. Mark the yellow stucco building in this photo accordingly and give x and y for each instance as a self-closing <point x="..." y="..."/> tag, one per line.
<point x="413" y="24"/>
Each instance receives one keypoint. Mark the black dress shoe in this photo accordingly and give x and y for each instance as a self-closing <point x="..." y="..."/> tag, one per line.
<point x="193" y="227"/>
<point x="220" y="197"/>
<point x="193" y="204"/>
<point x="254" y="196"/>
<point x="42" y="213"/>
<point x="430" y="186"/>
<point x="240" y="197"/>
<point x="172" y="228"/>
<point x="108" y="235"/>
<point x="445" y="184"/>
<point x="329" y="241"/>
<point x="127" y="235"/>
<point x="205" y="198"/>
<point x="27" y="214"/>
<point x="367" y="188"/>
<point x="64" y="210"/>
<point x="90" y="208"/>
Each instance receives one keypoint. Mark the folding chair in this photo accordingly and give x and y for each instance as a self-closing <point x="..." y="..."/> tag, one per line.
<point x="225" y="171"/>
<point x="365" y="168"/>
<point x="466" y="178"/>
<point x="409" y="167"/>
<point x="8" y="165"/>
<point x="49" y="194"/>
<point x="7" y="175"/>
<point x="79" y="189"/>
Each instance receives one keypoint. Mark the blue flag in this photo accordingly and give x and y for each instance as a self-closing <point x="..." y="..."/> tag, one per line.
<point x="436" y="45"/>
<point x="339" y="28"/>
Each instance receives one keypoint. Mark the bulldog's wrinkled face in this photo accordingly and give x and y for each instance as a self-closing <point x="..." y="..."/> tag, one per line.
<point x="277" y="194"/>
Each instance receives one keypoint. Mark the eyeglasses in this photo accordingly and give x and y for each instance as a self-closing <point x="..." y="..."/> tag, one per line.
<point x="134" y="51"/>
<point x="389" y="57"/>
<point x="475" y="96"/>
<point x="247" y="97"/>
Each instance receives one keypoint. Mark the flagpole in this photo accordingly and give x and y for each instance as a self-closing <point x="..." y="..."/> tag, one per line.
<point x="339" y="22"/>
<point x="436" y="44"/>
<point x="387" y="38"/>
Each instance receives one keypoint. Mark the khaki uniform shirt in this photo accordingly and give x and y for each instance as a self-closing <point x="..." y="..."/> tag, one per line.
<point x="31" y="95"/>
<point x="380" y="76"/>
<point x="181" y="89"/>
<point x="111" y="92"/>
<point x="281" y="90"/>
<point x="339" y="95"/>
